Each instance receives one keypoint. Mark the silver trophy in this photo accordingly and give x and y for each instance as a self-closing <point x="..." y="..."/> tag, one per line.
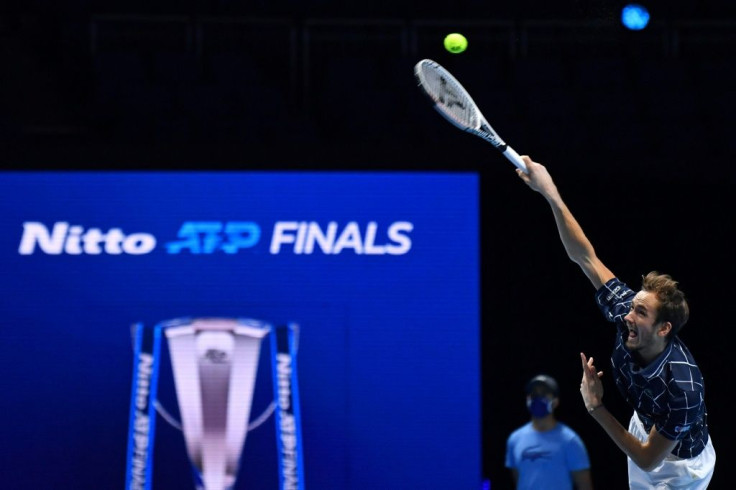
<point x="215" y="361"/>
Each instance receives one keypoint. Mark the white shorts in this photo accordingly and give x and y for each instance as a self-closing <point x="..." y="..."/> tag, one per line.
<point x="672" y="473"/>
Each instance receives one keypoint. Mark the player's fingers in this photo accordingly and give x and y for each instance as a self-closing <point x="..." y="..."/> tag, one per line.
<point x="590" y="362"/>
<point x="585" y="362"/>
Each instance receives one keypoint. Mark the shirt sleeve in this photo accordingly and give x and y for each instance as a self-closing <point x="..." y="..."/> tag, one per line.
<point x="576" y="454"/>
<point x="509" y="462"/>
<point x="614" y="300"/>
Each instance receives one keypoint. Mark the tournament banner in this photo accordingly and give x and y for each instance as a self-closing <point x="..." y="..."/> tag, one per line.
<point x="367" y="282"/>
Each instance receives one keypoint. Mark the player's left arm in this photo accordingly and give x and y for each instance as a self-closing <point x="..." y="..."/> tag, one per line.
<point x="646" y="455"/>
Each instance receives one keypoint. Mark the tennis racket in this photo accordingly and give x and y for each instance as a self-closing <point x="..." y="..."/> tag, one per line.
<point x="454" y="102"/>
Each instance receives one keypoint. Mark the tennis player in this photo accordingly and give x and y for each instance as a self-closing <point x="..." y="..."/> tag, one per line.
<point x="667" y="443"/>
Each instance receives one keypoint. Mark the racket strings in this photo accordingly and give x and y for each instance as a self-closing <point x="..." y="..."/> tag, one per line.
<point x="450" y="97"/>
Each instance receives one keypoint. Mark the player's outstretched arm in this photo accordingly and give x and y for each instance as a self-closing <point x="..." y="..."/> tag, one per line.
<point x="576" y="244"/>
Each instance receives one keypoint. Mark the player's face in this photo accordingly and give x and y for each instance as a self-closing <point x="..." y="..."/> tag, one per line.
<point x="643" y="328"/>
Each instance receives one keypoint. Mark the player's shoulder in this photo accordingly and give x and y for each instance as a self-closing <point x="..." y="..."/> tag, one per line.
<point x="613" y="291"/>
<point x="685" y="374"/>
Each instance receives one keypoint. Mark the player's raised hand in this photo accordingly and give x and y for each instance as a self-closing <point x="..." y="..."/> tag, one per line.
<point x="591" y="387"/>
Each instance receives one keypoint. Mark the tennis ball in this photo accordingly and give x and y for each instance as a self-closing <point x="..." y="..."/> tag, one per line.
<point x="456" y="43"/>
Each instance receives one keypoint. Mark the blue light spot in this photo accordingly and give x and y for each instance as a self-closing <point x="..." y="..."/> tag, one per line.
<point x="635" y="17"/>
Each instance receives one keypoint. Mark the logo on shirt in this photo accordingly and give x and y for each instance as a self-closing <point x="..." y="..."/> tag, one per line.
<point x="533" y="453"/>
<point x="681" y="428"/>
<point x="613" y="292"/>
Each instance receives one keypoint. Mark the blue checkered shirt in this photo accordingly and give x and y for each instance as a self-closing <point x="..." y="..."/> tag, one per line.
<point x="669" y="392"/>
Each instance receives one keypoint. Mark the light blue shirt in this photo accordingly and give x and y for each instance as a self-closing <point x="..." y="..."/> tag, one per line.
<point x="546" y="459"/>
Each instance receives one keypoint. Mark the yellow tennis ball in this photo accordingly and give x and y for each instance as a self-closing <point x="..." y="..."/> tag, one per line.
<point x="456" y="43"/>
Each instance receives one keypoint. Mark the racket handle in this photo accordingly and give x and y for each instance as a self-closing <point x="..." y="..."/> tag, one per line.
<point x="515" y="159"/>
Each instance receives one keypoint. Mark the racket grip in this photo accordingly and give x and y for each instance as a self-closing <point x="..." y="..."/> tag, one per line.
<point x="511" y="154"/>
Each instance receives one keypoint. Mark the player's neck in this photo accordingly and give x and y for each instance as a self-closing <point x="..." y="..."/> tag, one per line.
<point x="644" y="357"/>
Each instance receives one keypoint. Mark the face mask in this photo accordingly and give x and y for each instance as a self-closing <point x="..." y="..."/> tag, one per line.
<point x="539" y="406"/>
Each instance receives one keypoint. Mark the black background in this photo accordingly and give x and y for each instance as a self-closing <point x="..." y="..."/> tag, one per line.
<point x="636" y="128"/>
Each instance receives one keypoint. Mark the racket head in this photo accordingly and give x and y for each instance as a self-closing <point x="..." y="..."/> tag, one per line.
<point x="447" y="94"/>
<point x="454" y="102"/>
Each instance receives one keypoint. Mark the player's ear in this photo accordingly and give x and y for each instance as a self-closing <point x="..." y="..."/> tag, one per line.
<point x="664" y="329"/>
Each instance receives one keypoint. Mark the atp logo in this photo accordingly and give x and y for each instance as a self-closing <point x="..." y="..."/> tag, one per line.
<point x="206" y="237"/>
<point x="216" y="356"/>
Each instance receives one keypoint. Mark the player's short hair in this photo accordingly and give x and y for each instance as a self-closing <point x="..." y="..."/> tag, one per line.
<point x="673" y="306"/>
